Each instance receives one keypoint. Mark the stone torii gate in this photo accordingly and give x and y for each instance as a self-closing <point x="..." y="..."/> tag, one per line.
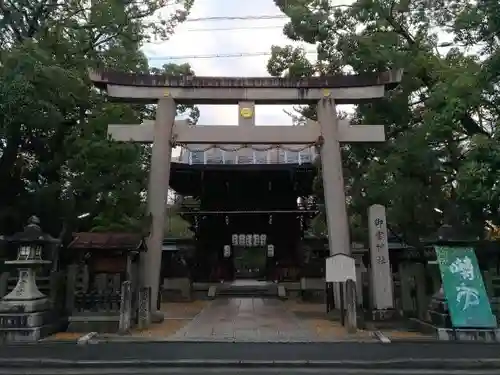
<point x="167" y="91"/>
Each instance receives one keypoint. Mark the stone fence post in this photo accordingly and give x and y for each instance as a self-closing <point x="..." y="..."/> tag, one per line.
<point x="71" y="275"/>
<point x="144" y="307"/>
<point x="125" y="307"/>
<point x="351" y="316"/>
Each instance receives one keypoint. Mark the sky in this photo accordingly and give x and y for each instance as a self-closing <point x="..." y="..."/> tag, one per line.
<point x="186" y="42"/>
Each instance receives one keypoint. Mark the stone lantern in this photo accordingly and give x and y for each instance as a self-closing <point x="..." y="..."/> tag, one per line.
<point x="25" y="313"/>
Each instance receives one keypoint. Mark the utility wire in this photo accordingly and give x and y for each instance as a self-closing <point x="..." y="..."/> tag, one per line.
<point x="251" y="18"/>
<point x="238" y="18"/>
<point x="208" y="29"/>
<point x="217" y="56"/>
<point x="230" y="28"/>
<point x="228" y="18"/>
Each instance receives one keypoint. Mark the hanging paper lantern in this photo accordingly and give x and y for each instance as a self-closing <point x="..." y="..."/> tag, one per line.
<point x="263" y="239"/>
<point x="227" y="251"/>
<point x="270" y="251"/>
<point x="256" y="240"/>
<point x="234" y="239"/>
<point x="248" y="240"/>
<point x="241" y="241"/>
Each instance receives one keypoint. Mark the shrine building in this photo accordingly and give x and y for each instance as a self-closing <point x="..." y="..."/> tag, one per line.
<point x="253" y="208"/>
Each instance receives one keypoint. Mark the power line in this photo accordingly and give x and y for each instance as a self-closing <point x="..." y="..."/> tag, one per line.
<point x="217" y="56"/>
<point x="238" y="18"/>
<point x="251" y="18"/>
<point x="203" y="29"/>
<point x="232" y="28"/>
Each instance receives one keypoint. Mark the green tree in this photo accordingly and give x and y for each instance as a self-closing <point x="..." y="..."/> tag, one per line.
<point x="439" y="120"/>
<point x="55" y="158"/>
<point x="180" y="225"/>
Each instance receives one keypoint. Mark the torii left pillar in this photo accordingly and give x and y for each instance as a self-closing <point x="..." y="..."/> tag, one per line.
<point x="159" y="180"/>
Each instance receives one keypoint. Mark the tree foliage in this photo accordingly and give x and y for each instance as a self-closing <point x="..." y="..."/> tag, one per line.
<point x="442" y="152"/>
<point x="55" y="158"/>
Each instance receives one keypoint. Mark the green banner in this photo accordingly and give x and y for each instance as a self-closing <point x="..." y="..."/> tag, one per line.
<point x="464" y="289"/>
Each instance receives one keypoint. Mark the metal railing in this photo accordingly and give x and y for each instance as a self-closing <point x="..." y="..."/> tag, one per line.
<point x="97" y="302"/>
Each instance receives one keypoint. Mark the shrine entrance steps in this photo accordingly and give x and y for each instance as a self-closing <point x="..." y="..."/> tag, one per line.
<point x="247" y="288"/>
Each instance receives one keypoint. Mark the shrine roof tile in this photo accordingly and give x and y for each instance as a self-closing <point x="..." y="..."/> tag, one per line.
<point x="107" y="241"/>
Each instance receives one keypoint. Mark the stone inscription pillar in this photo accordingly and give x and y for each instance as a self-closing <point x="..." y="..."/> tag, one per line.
<point x="125" y="307"/>
<point x="333" y="179"/>
<point x="159" y="179"/>
<point x="382" y="287"/>
<point x="144" y="311"/>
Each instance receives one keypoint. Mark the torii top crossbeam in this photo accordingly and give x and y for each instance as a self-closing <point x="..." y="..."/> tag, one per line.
<point x="148" y="88"/>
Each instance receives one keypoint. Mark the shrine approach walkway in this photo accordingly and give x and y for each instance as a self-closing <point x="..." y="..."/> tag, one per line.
<point x="246" y="319"/>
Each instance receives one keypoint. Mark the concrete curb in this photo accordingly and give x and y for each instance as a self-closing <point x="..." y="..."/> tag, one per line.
<point x="183" y="340"/>
<point x="371" y="339"/>
<point x="406" y="363"/>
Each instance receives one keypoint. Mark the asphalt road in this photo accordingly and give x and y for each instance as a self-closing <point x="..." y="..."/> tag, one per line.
<point x="223" y="371"/>
<point x="195" y="354"/>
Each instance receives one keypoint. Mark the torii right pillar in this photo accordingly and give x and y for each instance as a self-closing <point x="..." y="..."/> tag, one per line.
<point x="334" y="132"/>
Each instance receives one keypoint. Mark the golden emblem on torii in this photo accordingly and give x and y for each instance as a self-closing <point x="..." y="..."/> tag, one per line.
<point x="246" y="112"/>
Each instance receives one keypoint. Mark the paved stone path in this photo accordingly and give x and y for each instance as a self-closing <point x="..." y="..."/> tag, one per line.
<point x="246" y="319"/>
